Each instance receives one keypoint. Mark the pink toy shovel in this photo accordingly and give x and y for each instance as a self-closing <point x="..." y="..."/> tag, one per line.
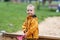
<point x="20" y="37"/>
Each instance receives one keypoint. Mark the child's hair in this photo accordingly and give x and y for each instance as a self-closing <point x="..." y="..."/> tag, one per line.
<point x="30" y="5"/>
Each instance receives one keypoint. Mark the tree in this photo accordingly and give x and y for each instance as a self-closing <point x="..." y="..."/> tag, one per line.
<point x="30" y="1"/>
<point x="6" y="0"/>
<point x="16" y="0"/>
<point x="38" y="4"/>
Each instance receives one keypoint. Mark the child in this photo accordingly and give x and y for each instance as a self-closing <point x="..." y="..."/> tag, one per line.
<point x="30" y="26"/>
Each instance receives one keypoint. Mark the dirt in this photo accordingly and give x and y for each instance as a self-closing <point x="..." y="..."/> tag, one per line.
<point x="50" y="26"/>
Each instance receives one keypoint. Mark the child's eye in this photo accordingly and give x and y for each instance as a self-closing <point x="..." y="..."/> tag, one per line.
<point x="27" y="10"/>
<point x="30" y="10"/>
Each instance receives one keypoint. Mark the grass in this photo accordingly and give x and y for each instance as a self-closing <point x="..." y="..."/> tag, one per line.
<point x="12" y="15"/>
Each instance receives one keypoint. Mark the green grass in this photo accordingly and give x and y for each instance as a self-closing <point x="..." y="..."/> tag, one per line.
<point x="15" y="14"/>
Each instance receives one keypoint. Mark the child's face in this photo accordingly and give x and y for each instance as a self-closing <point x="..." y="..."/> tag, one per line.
<point x="30" y="10"/>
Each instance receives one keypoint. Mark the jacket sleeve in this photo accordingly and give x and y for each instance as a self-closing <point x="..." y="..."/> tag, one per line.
<point x="34" y="26"/>
<point x="24" y="26"/>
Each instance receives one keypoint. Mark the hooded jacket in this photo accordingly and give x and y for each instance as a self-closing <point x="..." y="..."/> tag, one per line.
<point x="30" y="27"/>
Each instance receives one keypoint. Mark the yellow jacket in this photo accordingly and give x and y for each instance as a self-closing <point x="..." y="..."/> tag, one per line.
<point x="30" y="27"/>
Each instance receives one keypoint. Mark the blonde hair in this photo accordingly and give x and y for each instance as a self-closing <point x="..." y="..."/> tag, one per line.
<point x="30" y="5"/>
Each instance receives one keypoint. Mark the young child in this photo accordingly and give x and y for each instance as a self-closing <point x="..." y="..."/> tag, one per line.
<point x="30" y="26"/>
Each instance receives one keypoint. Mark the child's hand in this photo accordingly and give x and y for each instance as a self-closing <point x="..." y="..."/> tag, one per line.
<point x="25" y="35"/>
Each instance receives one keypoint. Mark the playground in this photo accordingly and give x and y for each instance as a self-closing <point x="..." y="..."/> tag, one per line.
<point x="12" y="15"/>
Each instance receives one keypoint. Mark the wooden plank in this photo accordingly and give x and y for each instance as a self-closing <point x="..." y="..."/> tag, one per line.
<point x="48" y="37"/>
<point x="40" y="36"/>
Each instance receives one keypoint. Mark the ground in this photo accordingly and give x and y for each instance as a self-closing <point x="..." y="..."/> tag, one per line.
<point x="50" y="27"/>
